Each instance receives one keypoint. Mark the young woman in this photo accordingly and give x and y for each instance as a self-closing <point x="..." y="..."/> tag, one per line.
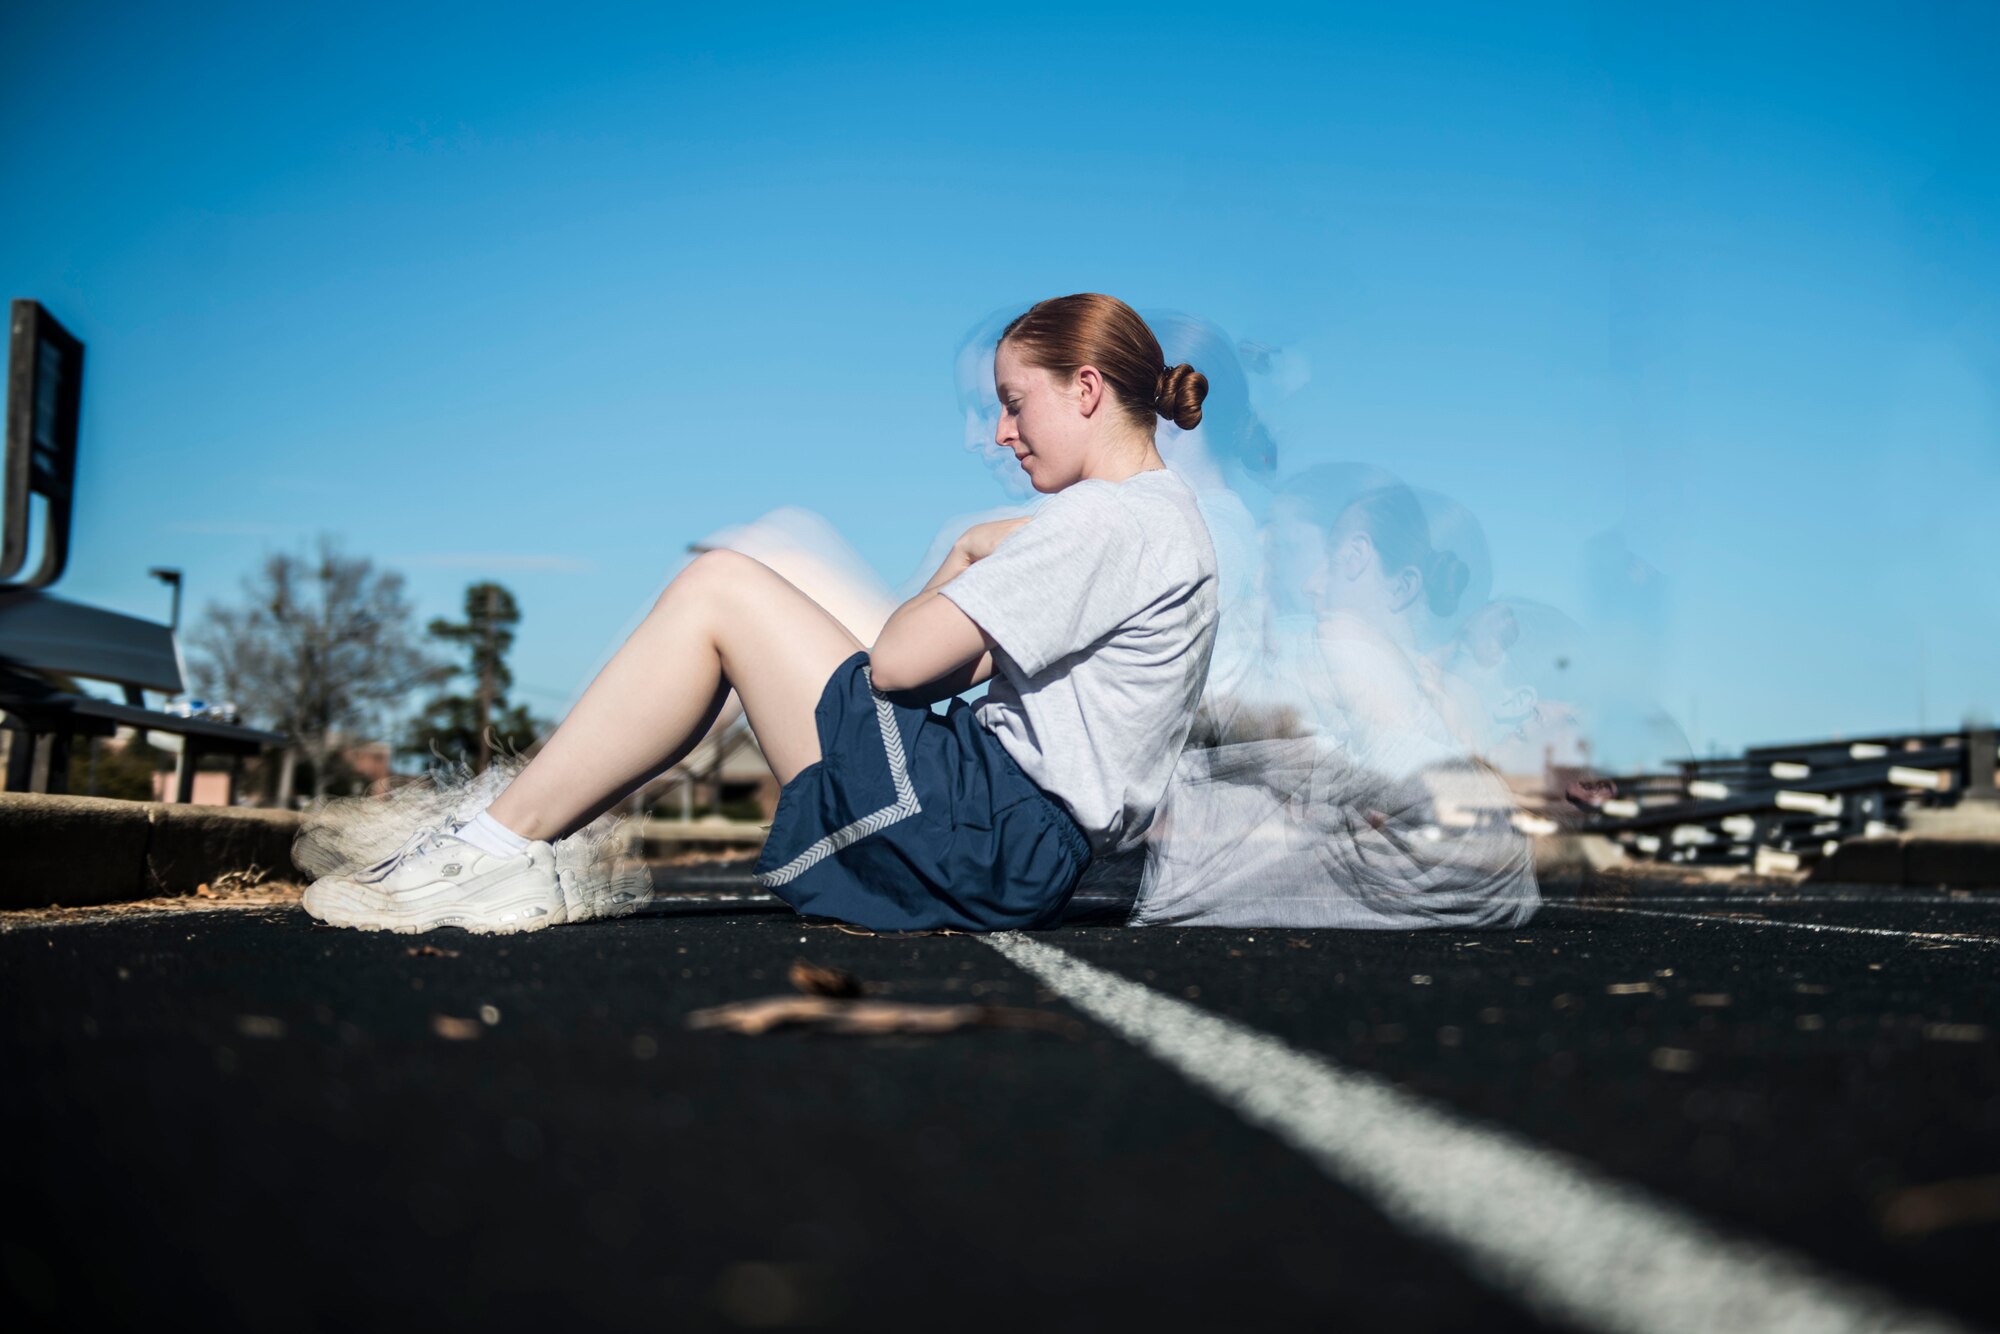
<point x="1094" y="621"/>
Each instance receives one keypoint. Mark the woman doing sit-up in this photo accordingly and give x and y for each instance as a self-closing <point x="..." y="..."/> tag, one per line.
<point x="1093" y="619"/>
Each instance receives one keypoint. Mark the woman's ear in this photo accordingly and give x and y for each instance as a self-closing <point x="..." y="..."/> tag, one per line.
<point x="1402" y="587"/>
<point x="1352" y="558"/>
<point x="1089" y="390"/>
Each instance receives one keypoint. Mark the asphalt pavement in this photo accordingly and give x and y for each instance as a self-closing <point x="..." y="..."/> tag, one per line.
<point x="244" y="1118"/>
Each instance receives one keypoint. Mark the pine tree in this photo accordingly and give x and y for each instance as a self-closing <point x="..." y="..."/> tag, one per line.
<point x="466" y="725"/>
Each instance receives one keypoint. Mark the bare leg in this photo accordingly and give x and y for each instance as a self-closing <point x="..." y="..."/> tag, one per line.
<point x="816" y="566"/>
<point x="725" y="622"/>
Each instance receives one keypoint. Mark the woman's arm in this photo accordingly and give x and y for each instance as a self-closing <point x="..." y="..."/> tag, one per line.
<point x="929" y="649"/>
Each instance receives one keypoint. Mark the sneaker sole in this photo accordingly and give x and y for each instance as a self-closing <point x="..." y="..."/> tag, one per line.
<point x="345" y="903"/>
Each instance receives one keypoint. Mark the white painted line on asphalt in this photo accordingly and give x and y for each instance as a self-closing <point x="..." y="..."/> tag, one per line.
<point x="1538" y="1225"/>
<point x="1890" y="899"/>
<point x="1713" y="919"/>
<point x="712" y="896"/>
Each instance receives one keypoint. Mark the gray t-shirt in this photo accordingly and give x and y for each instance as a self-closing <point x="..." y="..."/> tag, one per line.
<point x="1103" y="608"/>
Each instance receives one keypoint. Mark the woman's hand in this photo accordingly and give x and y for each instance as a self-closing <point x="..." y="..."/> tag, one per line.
<point x="974" y="544"/>
<point x="978" y="541"/>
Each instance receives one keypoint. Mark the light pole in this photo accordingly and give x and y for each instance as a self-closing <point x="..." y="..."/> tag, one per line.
<point x="173" y="577"/>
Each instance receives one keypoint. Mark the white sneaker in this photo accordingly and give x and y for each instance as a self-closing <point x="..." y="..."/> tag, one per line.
<point x="437" y="879"/>
<point x="604" y="891"/>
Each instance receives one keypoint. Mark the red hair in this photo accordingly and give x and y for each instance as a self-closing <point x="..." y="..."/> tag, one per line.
<point x="1064" y="333"/>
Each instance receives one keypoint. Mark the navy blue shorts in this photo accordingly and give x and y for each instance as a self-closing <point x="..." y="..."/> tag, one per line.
<point x="910" y="821"/>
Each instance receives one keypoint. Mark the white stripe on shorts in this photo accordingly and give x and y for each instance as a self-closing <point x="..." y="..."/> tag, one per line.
<point x="906" y="802"/>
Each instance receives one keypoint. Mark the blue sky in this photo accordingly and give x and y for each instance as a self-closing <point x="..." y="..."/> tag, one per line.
<point x="545" y="294"/>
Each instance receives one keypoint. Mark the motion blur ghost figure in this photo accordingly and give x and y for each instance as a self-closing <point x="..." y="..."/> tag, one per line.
<point x="1237" y="449"/>
<point x="1514" y="670"/>
<point x="1453" y="528"/>
<point x="1381" y="584"/>
<point x="979" y="406"/>
<point x="979" y="412"/>
<point x="1628" y="599"/>
<point x="1361" y="801"/>
<point x="1229" y="459"/>
<point x="809" y="552"/>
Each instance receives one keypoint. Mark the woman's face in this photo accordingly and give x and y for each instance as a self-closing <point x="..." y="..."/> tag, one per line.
<point x="1295" y="559"/>
<point x="974" y="376"/>
<point x="1039" y="421"/>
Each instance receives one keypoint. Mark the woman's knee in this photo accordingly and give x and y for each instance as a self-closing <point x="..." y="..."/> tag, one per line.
<point x="738" y="600"/>
<point x="713" y="574"/>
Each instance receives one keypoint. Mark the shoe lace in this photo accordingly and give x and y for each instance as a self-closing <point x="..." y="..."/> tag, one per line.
<point x="422" y="838"/>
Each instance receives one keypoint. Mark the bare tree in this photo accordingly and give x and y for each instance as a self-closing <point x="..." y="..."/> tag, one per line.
<point x="322" y="644"/>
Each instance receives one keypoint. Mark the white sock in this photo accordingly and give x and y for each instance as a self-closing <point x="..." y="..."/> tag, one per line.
<point x="489" y="835"/>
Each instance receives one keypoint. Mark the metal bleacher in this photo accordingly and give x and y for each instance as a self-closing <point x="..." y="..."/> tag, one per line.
<point x="1784" y="807"/>
<point x="47" y="642"/>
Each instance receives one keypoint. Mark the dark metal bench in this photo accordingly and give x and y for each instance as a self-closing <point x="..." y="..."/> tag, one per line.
<point x="44" y="636"/>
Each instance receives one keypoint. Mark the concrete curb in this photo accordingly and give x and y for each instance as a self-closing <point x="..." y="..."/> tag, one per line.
<point x="1569" y="856"/>
<point x="667" y="838"/>
<point x="79" y="851"/>
<point x="1918" y="861"/>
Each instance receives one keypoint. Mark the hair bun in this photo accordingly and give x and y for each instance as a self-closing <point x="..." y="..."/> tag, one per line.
<point x="1445" y="581"/>
<point x="1177" y="395"/>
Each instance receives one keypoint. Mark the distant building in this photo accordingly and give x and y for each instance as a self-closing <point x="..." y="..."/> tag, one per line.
<point x="726" y="774"/>
<point x="368" y="763"/>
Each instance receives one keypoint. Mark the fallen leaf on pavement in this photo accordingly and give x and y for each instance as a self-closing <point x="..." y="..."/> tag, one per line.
<point x="1921" y="1210"/>
<point x="870" y="1017"/>
<point x="1674" y="1060"/>
<point x="818" y="980"/>
<point x="847" y="930"/>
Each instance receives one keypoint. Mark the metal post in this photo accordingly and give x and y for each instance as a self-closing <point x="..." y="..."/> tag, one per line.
<point x="38" y="772"/>
<point x="20" y="759"/>
<point x="184" y="772"/>
<point x="170" y="577"/>
<point x="57" y="782"/>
